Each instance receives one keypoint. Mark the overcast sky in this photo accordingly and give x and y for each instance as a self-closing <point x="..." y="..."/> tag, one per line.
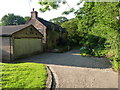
<point x="24" y="7"/>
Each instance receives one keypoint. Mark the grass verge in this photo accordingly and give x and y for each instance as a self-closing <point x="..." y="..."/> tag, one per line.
<point x="23" y="76"/>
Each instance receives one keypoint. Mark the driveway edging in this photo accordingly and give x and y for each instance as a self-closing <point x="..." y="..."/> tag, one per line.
<point x="55" y="83"/>
<point x="49" y="78"/>
<point x="52" y="79"/>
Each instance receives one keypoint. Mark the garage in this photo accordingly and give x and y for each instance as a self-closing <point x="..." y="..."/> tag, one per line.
<point x="20" y="41"/>
<point x="26" y="46"/>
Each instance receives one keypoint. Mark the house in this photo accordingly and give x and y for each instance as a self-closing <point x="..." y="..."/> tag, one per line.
<point x="53" y="34"/>
<point x="19" y="41"/>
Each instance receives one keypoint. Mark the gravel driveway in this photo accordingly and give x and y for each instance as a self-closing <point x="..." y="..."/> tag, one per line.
<point x="71" y="70"/>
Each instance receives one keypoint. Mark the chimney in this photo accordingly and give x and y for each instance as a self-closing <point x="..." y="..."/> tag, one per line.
<point x="34" y="14"/>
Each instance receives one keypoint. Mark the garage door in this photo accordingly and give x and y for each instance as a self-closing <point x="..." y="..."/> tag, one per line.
<point x="26" y="46"/>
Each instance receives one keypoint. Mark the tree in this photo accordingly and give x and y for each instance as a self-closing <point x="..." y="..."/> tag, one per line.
<point x="97" y="27"/>
<point x="98" y="19"/>
<point x="48" y="5"/>
<point x="71" y="27"/>
<point x="12" y="19"/>
<point x="58" y="20"/>
<point x="26" y="18"/>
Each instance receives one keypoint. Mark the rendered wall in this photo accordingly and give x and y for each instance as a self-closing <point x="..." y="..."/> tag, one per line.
<point x="5" y="49"/>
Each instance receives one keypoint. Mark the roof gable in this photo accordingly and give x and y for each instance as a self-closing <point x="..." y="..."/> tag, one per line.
<point x="9" y="30"/>
<point x="28" y="32"/>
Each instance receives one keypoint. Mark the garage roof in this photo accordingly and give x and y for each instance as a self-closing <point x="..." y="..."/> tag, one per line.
<point x="9" y="30"/>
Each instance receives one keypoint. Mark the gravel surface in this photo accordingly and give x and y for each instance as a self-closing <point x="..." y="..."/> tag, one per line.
<point x="71" y="70"/>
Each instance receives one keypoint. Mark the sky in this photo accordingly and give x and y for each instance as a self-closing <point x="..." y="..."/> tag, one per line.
<point x="24" y="7"/>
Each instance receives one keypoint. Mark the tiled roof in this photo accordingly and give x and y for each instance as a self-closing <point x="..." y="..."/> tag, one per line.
<point x="50" y="25"/>
<point x="9" y="30"/>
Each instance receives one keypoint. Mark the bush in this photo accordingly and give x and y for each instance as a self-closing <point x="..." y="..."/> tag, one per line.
<point x="84" y="51"/>
<point x="116" y="64"/>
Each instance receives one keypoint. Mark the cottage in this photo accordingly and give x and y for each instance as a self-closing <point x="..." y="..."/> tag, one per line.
<point x="52" y="33"/>
<point x="19" y="41"/>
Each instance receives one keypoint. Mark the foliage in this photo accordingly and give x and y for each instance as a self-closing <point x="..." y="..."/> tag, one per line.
<point x="12" y="19"/>
<point x="94" y="45"/>
<point x="116" y="64"/>
<point x="96" y="28"/>
<point x="58" y="20"/>
<point x="69" y="11"/>
<point x="26" y="18"/>
<point x="47" y="5"/>
<point x="23" y="75"/>
<point x="99" y="20"/>
<point x="71" y="27"/>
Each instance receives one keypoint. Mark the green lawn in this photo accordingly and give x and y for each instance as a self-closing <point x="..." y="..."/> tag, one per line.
<point x="23" y="75"/>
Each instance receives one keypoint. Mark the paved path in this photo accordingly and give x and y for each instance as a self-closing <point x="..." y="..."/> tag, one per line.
<point x="72" y="70"/>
